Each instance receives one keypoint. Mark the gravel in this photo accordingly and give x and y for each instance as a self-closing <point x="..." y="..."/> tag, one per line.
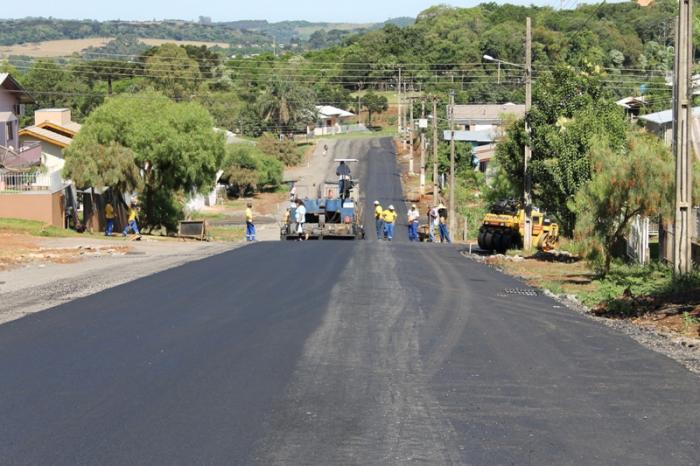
<point x="685" y="351"/>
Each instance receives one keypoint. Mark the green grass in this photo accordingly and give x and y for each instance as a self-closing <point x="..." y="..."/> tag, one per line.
<point x="227" y="233"/>
<point x="34" y="228"/>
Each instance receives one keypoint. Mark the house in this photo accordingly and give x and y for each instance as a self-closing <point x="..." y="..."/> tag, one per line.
<point x="13" y="98"/>
<point x="481" y="117"/>
<point x="330" y="120"/>
<point x="661" y="124"/>
<point x="632" y="106"/>
<point x="54" y="131"/>
<point x="483" y="143"/>
<point x="31" y="185"/>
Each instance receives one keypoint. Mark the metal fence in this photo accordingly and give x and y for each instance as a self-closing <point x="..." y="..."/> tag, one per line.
<point x="13" y="182"/>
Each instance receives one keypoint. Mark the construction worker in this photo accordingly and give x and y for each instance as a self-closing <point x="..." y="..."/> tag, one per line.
<point x="249" y="225"/>
<point x="344" y="180"/>
<point x="132" y="224"/>
<point x="432" y="222"/>
<point x="300" y="218"/>
<point x="389" y="217"/>
<point x="413" y="220"/>
<point x="379" y="219"/>
<point x="442" y="224"/>
<point x="109" y="218"/>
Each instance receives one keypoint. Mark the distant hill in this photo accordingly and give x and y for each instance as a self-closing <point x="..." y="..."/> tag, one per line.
<point x="236" y="33"/>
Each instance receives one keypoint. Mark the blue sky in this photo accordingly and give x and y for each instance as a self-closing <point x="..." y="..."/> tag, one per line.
<point x="221" y="10"/>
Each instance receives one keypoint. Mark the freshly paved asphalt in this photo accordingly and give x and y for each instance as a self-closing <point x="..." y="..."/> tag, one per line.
<point x="329" y="353"/>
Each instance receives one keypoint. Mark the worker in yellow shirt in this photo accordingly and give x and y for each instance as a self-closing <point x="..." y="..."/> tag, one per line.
<point x="132" y="222"/>
<point x="389" y="217"/>
<point x="379" y="219"/>
<point x="249" y="225"/>
<point x="109" y="218"/>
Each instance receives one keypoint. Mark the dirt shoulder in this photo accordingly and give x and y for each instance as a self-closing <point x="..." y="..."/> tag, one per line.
<point x="58" y="270"/>
<point x="668" y="323"/>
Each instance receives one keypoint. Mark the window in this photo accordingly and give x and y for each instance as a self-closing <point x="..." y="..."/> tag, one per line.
<point x="10" y="132"/>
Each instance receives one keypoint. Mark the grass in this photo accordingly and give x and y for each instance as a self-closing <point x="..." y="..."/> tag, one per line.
<point x="34" y="228"/>
<point x="227" y="233"/>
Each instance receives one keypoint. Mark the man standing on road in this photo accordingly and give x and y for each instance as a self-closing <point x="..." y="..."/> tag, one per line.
<point x="109" y="218"/>
<point x="389" y="217"/>
<point x="249" y="225"/>
<point x="300" y="218"/>
<point x="432" y="222"/>
<point x="444" y="234"/>
<point x="379" y="220"/>
<point x="413" y="220"/>
<point x="343" y="172"/>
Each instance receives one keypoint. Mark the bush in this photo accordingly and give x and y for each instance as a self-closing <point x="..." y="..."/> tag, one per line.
<point x="248" y="170"/>
<point x="284" y="150"/>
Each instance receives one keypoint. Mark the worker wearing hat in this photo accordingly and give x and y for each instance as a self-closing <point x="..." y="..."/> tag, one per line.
<point x="413" y="220"/>
<point x="442" y="224"/>
<point x="379" y="219"/>
<point x="389" y="217"/>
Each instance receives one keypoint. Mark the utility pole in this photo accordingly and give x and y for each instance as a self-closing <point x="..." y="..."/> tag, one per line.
<point x="410" y="131"/>
<point x="435" y="154"/>
<point x="452" y="164"/>
<point x="359" y="110"/>
<point x="398" y="120"/>
<point x="527" y="177"/>
<point x="422" y="151"/>
<point x="682" y="259"/>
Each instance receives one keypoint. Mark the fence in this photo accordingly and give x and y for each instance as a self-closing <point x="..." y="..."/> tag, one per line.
<point x="17" y="182"/>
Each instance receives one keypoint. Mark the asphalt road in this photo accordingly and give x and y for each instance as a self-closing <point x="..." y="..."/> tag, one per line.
<point x="325" y="353"/>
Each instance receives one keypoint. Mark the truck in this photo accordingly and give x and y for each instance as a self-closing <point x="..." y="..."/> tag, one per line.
<point x="329" y="214"/>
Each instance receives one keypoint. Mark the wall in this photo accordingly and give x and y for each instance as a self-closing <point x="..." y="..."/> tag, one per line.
<point x="43" y="207"/>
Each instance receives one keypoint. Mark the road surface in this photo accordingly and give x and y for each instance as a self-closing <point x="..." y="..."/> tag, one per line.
<point x="324" y="353"/>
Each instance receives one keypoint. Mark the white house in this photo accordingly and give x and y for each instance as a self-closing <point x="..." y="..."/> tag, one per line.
<point x="331" y="120"/>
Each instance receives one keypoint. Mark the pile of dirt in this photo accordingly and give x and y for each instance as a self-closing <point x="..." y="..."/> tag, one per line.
<point x="677" y="312"/>
<point x="20" y="250"/>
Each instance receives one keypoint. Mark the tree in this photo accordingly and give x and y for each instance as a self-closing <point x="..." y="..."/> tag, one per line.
<point x="173" y="72"/>
<point x="637" y="180"/>
<point x="247" y="169"/>
<point x="286" y="105"/>
<point x="374" y="103"/>
<point x="571" y="110"/>
<point x="173" y="145"/>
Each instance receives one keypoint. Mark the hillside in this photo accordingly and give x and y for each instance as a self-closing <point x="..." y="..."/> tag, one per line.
<point x="235" y="33"/>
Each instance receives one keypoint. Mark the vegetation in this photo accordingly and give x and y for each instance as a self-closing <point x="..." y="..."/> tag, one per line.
<point x="173" y="145"/>
<point x="637" y="180"/>
<point x="33" y="228"/>
<point x="247" y="169"/>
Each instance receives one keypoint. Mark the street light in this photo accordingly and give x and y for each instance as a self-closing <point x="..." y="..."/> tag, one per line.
<point x="527" y="180"/>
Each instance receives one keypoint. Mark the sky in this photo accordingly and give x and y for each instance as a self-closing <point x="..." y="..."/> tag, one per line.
<point x="355" y="11"/>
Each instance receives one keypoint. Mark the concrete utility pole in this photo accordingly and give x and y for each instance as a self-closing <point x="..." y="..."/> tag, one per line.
<point x="682" y="258"/>
<point x="527" y="177"/>
<point x="435" y="154"/>
<point x="422" y="151"/>
<point x="359" y="110"/>
<point x="452" y="164"/>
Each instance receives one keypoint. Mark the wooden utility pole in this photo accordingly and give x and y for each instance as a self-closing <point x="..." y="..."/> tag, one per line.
<point x="435" y="154"/>
<point x="527" y="177"/>
<point x="682" y="257"/>
<point x="422" y="151"/>
<point x="410" y="131"/>
<point x="398" y="120"/>
<point x="452" y="164"/>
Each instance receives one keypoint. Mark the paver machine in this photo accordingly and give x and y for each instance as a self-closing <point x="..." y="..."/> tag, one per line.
<point x="330" y="214"/>
<point x="503" y="228"/>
